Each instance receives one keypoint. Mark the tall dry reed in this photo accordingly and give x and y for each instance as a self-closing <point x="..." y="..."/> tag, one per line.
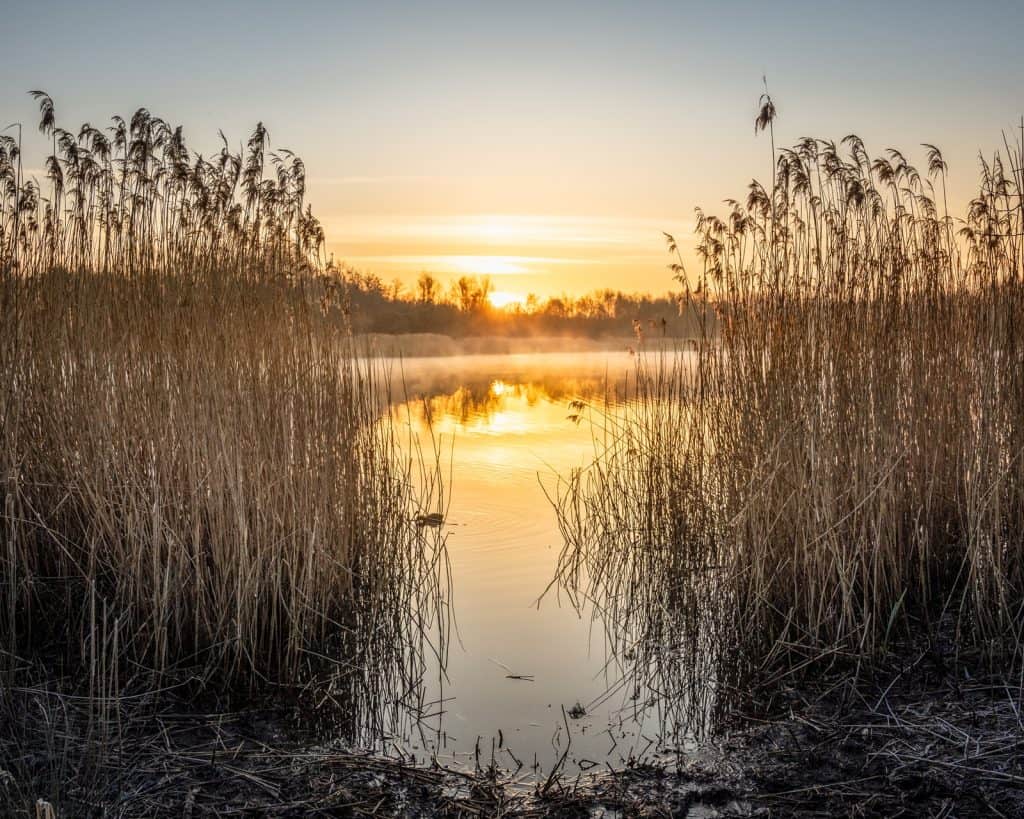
<point x="838" y="462"/>
<point x="198" y="495"/>
<point x="192" y="469"/>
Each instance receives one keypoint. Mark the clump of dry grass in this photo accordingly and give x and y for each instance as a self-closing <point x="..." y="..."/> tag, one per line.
<point x="199" y="499"/>
<point x="839" y="463"/>
<point x="192" y="469"/>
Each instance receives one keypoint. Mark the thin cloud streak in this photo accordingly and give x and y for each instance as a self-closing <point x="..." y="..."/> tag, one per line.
<point x="499" y="228"/>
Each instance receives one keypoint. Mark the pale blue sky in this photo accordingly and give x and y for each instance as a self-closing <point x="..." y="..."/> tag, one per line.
<point x="547" y="143"/>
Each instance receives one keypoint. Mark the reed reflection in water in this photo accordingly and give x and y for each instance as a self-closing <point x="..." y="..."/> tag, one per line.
<point x="533" y="659"/>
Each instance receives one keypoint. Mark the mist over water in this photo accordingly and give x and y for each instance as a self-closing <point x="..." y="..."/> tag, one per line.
<point x="437" y="345"/>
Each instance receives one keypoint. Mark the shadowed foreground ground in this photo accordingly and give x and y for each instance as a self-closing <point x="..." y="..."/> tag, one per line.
<point x="926" y="743"/>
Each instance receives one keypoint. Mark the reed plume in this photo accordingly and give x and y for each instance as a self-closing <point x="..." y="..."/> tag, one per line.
<point x="131" y="199"/>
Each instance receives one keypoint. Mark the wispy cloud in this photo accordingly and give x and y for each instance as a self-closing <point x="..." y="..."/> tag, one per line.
<point x="491" y="265"/>
<point x="503" y="230"/>
<point x="391" y="179"/>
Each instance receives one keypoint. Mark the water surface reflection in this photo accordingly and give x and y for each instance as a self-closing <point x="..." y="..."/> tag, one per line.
<point x="526" y="670"/>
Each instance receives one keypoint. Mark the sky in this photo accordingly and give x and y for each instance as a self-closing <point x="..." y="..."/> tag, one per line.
<point x="547" y="145"/>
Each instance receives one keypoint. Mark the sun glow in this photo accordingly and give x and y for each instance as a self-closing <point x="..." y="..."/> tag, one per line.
<point x="487" y="265"/>
<point x="503" y="299"/>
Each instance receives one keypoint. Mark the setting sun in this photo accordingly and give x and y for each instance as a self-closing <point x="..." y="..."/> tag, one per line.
<point x="503" y="299"/>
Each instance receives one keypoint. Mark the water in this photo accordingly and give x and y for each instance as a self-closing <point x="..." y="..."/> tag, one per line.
<point x="524" y="663"/>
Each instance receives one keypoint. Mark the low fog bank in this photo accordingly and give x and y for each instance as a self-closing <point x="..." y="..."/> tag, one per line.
<point x="428" y="345"/>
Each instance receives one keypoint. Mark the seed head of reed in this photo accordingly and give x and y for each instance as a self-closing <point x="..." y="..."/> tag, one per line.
<point x="132" y="198"/>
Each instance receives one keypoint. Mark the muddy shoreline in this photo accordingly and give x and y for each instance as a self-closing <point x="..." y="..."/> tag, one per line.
<point x="917" y="742"/>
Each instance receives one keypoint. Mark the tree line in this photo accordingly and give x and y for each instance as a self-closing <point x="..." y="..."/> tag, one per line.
<point x="463" y="308"/>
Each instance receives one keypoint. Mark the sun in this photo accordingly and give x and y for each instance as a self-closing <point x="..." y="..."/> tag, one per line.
<point x="503" y="299"/>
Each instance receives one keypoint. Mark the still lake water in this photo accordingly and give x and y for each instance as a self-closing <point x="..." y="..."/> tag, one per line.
<point x="519" y="651"/>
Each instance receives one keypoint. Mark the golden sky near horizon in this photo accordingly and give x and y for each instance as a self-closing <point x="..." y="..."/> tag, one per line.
<point x="520" y="253"/>
<point x="545" y="144"/>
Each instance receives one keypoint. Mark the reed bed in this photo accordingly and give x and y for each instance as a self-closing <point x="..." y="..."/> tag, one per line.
<point x="195" y="485"/>
<point x="200" y="506"/>
<point x="834" y="467"/>
<point x="132" y="198"/>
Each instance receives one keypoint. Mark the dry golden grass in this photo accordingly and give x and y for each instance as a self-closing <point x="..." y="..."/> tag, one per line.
<point x="200" y="494"/>
<point x="839" y="462"/>
<point x="193" y="474"/>
<point x="192" y="468"/>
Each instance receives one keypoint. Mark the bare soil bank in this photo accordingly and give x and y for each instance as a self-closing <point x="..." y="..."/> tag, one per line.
<point x="924" y="741"/>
